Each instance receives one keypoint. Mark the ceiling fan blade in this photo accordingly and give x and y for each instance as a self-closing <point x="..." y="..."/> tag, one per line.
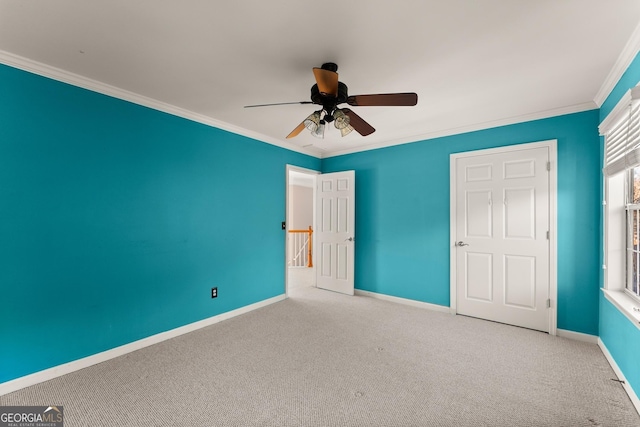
<point x="362" y="127"/>
<point x="278" y="103"/>
<point x="296" y="131"/>
<point x="327" y="81"/>
<point x="384" y="100"/>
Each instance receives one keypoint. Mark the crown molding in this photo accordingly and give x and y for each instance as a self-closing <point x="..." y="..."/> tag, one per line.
<point x="625" y="58"/>
<point x="471" y="128"/>
<point x="73" y="79"/>
<point x="619" y="111"/>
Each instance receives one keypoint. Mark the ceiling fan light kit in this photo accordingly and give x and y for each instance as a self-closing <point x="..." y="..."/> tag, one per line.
<point x="346" y="130"/>
<point x="329" y="93"/>
<point x="312" y="121"/>
<point x="341" y="119"/>
<point x="319" y="131"/>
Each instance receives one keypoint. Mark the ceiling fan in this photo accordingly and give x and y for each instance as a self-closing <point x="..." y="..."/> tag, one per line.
<point x="328" y="92"/>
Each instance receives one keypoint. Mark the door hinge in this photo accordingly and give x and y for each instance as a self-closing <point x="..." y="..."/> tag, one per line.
<point x="547" y="235"/>
<point x="548" y="166"/>
<point x="548" y="302"/>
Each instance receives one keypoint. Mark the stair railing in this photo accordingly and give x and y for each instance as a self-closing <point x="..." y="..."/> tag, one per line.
<point x="300" y="246"/>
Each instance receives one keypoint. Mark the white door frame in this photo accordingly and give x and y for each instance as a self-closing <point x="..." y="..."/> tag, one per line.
<point x="553" y="217"/>
<point x="287" y="220"/>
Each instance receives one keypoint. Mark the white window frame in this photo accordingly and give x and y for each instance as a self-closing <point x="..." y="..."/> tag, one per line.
<point x="620" y="155"/>
<point x="629" y="231"/>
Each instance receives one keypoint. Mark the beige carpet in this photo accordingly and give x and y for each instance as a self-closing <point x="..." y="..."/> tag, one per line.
<point x="324" y="359"/>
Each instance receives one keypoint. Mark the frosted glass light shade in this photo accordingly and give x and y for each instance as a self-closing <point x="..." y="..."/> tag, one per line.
<point x="319" y="131"/>
<point x="341" y="119"/>
<point x="312" y="121"/>
<point x="346" y="130"/>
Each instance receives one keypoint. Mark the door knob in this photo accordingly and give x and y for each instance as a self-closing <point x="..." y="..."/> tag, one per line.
<point x="461" y="243"/>
<point x="350" y="239"/>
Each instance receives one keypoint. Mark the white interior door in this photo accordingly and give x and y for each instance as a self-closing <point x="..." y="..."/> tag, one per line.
<point x="502" y="247"/>
<point x="335" y="237"/>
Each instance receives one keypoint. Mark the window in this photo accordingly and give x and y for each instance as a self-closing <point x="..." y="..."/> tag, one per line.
<point x="633" y="230"/>
<point x="621" y="171"/>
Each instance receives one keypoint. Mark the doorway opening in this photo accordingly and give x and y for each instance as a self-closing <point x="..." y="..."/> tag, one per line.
<point x="300" y="225"/>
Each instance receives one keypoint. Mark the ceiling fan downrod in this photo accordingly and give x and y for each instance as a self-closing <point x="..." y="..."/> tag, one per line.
<point x="330" y="66"/>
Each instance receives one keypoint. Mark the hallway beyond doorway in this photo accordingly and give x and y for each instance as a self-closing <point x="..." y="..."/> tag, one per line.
<point x="301" y="277"/>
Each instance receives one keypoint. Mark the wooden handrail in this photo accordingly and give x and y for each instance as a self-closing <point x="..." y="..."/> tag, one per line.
<point x="310" y="232"/>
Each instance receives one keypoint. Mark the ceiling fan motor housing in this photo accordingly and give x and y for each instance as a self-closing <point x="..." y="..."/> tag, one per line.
<point x="329" y="102"/>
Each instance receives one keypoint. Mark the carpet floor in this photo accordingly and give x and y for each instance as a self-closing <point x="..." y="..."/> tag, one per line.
<point x="325" y="359"/>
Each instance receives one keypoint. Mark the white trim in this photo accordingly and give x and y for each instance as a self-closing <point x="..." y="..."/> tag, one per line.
<point x="553" y="237"/>
<point x="553" y="221"/>
<point x="66" y="368"/>
<point x="625" y="384"/>
<point x="287" y="220"/>
<point x="625" y="304"/>
<point x="620" y="111"/>
<point x="61" y="75"/>
<point x="404" y="301"/>
<point x="577" y="336"/>
<point x="469" y="128"/>
<point x="58" y="74"/>
<point x="625" y="58"/>
<point x="453" y="234"/>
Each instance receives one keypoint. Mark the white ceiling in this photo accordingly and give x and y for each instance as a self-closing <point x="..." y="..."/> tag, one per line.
<point x="473" y="64"/>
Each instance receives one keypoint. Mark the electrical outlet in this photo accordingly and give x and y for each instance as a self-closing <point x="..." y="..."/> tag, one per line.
<point x="214" y="292"/>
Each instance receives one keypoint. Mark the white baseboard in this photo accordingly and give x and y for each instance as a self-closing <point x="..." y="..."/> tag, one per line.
<point x="620" y="375"/>
<point x="66" y="368"/>
<point x="405" y="301"/>
<point x="577" y="336"/>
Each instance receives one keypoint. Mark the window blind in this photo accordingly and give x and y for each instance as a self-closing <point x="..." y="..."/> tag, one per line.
<point x="622" y="142"/>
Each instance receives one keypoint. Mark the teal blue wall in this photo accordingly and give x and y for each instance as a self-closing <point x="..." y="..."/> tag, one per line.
<point x="116" y="220"/>
<point x="618" y="334"/>
<point x="622" y="339"/>
<point x="402" y="213"/>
